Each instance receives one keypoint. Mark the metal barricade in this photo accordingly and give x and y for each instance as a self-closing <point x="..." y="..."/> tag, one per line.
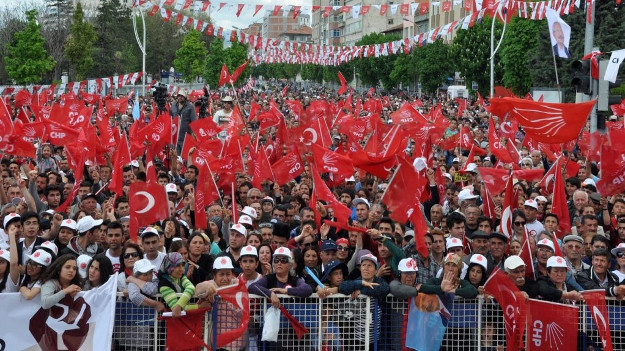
<point x="339" y="322"/>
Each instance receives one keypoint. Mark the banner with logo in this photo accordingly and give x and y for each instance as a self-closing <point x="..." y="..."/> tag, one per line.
<point x="80" y="323"/>
<point x="595" y="300"/>
<point x="428" y="317"/>
<point x="551" y="326"/>
<point x="512" y="304"/>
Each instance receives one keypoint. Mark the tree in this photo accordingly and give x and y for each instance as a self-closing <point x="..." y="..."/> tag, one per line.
<point x="471" y="53"/>
<point x="312" y="72"/>
<point x="113" y="25"/>
<point x="520" y="42"/>
<point x="27" y="60"/>
<point x="191" y="57"/>
<point x="57" y="19"/>
<point x="373" y="70"/>
<point x="233" y="57"/>
<point x="164" y="38"/>
<point x="434" y="65"/>
<point x="79" y="47"/>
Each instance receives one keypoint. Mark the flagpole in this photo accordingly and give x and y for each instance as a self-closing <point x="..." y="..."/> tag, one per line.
<point x="555" y="68"/>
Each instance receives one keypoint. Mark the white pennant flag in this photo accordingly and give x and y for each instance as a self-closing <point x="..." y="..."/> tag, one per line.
<point x="76" y="87"/>
<point x="178" y="5"/>
<point x="413" y="8"/>
<point x="91" y="86"/>
<point x="394" y="8"/>
<point x="465" y="23"/>
<point x="306" y="10"/>
<point x="355" y="11"/>
<point x="615" y="62"/>
<point x="61" y="89"/>
<point x="285" y="10"/>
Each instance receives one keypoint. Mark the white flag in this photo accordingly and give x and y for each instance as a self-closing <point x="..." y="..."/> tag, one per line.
<point x="616" y="59"/>
<point x="355" y="11"/>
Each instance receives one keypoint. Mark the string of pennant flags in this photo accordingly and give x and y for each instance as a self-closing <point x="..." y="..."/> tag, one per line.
<point x="272" y="50"/>
<point x="89" y="85"/>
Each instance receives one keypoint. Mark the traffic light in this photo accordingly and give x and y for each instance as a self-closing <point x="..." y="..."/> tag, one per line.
<point x="582" y="81"/>
<point x="604" y="99"/>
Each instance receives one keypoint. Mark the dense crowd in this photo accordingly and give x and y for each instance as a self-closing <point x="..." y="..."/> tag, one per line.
<point x="284" y="243"/>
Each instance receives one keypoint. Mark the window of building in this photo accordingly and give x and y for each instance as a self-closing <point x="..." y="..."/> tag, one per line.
<point x="336" y="33"/>
<point x="389" y="22"/>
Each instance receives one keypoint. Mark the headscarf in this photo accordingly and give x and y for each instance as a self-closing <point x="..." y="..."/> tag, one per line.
<point x="171" y="261"/>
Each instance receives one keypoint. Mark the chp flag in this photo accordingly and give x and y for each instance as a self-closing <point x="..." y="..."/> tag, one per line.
<point x="551" y="326"/>
<point x="80" y="323"/>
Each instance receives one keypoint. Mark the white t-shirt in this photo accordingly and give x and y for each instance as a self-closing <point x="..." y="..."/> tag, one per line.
<point x="4" y="240"/>
<point x="534" y="228"/>
<point x="157" y="261"/>
<point x="114" y="260"/>
<point x="10" y="287"/>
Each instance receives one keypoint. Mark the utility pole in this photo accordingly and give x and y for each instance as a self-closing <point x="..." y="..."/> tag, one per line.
<point x="588" y="48"/>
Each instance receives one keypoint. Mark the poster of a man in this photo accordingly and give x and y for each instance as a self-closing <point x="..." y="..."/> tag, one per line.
<point x="560" y="34"/>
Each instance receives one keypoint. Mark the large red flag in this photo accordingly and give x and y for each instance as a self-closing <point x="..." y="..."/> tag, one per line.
<point x="553" y="326"/>
<point x="499" y="150"/>
<point x="120" y="159"/>
<point x="328" y="161"/>
<point x="550" y="123"/>
<point x="408" y="117"/>
<point x="341" y="212"/>
<point x="204" y="128"/>
<point x="511" y="301"/>
<point x="595" y="299"/>
<point x="495" y="178"/>
<point x="237" y="73"/>
<point x="185" y="333"/>
<point x="526" y="255"/>
<point x="116" y="105"/>
<point x="148" y="204"/>
<point x="559" y="205"/>
<point x="238" y="297"/>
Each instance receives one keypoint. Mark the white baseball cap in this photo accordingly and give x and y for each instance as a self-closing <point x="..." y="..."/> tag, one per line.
<point x="556" y="262"/>
<point x="246" y="220"/>
<point x="513" y="262"/>
<point x="409" y="233"/>
<point x="170" y="188"/>
<point x="5" y="254"/>
<point x="369" y="257"/>
<point x="546" y="242"/>
<point x="531" y="203"/>
<point x="466" y="194"/>
<point x="453" y="242"/>
<point x="282" y="251"/>
<point x="250" y="211"/>
<point x="471" y="167"/>
<point x="143" y="266"/>
<point x="408" y="265"/>
<point x="619" y="248"/>
<point x="223" y="262"/>
<point x="479" y="259"/>
<point x="448" y="176"/>
<point x="540" y="198"/>
<point x="350" y="179"/>
<point x="87" y="223"/>
<point x="134" y="163"/>
<point x="83" y="262"/>
<point x="239" y="228"/>
<point x="361" y="200"/>
<point x="589" y="181"/>
<point x="149" y="230"/>
<point x="49" y="245"/>
<point x="42" y="257"/>
<point x="248" y="250"/>
<point x="10" y="217"/>
<point x="69" y="224"/>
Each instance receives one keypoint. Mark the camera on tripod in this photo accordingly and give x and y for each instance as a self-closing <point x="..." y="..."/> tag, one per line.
<point x="202" y="103"/>
<point x="159" y="92"/>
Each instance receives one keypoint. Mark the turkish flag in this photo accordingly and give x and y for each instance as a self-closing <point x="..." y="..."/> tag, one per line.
<point x="404" y="191"/>
<point x="553" y="326"/>
<point x="511" y="300"/>
<point x="509" y="128"/>
<point x="595" y="300"/>
<point x="496" y="147"/>
<point x="238" y="297"/>
<point x="509" y="205"/>
<point x="316" y="132"/>
<point x="148" y="204"/>
<point x="328" y="161"/>
<point x="550" y="123"/>
<point x="224" y="76"/>
<point x="343" y="88"/>
<point x="559" y="205"/>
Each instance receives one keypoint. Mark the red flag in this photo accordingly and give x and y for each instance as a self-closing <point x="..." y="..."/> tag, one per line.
<point x="287" y="168"/>
<point x="526" y="255"/>
<point x="495" y="178"/>
<point x="488" y="207"/>
<point x="509" y="128"/>
<point x="204" y="129"/>
<point x="595" y="299"/>
<point x="299" y="328"/>
<point x="559" y="205"/>
<point x="58" y="134"/>
<point x="508" y="207"/>
<point x="550" y="123"/>
<point x="408" y="117"/>
<point x="150" y="170"/>
<point x="76" y="163"/>
<point x="148" y="204"/>
<point x="341" y="212"/>
<point x="553" y="326"/>
<point x="512" y="301"/>
<point x="420" y="229"/>
<point x="612" y="165"/>
<point x="237" y="73"/>
<point x="403" y="192"/>
<point x="185" y="332"/>
<point x="120" y="159"/>
<point x="116" y="105"/>
<point x="238" y="297"/>
<point x="6" y="122"/>
<point x="494" y="143"/>
<point x="224" y="76"/>
<point x="343" y="88"/>
<point x="332" y="162"/>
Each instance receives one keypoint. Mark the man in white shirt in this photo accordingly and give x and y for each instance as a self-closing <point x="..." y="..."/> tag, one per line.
<point x="533" y="226"/>
<point x="222" y="117"/>
<point x="150" y="239"/>
<point x="114" y="238"/>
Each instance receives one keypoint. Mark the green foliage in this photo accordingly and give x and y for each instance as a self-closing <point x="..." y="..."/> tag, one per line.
<point x="373" y="70"/>
<point x="27" y="59"/>
<point x="113" y="25"/>
<point x="163" y="39"/>
<point x="470" y="51"/>
<point x="233" y="57"/>
<point x="434" y="65"/>
<point x="520" y="41"/>
<point x="405" y="69"/>
<point x="312" y="72"/>
<point x="191" y="57"/>
<point x="79" y="46"/>
<point x="276" y="70"/>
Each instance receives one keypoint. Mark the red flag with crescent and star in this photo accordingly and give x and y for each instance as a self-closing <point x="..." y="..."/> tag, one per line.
<point x="148" y="204"/>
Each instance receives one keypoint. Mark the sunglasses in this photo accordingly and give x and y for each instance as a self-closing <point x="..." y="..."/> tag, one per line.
<point x="519" y="223"/>
<point x="282" y="260"/>
<point x="33" y="264"/>
<point x="131" y="254"/>
<point x="342" y="248"/>
<point x="620" y="254"/>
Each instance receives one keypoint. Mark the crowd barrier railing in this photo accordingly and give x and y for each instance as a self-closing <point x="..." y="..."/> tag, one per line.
<point x="340" y="322"/>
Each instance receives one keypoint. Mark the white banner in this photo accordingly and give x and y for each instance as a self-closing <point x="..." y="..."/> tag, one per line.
<point x="615" y="62"/>
<point x="81" y="323"/>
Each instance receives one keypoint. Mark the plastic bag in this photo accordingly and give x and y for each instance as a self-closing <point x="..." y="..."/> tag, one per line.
<point x="272" y="324"/>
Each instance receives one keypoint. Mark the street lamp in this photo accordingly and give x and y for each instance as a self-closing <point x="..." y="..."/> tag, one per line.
<point x="142" y="46"/>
